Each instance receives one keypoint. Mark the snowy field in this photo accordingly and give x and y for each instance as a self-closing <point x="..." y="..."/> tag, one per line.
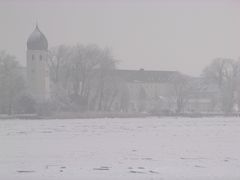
<point x="114" y="149"/>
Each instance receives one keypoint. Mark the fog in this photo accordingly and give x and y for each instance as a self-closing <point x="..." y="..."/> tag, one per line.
<point x="154" y="35"/>
<point x="144" y="89"/>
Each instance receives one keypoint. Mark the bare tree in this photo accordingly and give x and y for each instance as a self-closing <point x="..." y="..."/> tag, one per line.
<point x="225" y="73"/>
<point x="11" y="83"/>
<point x="60" y="73"/>
<point x="107" y="81"/>
<point x="142" y="99"/>
<point x="179" y="91"/>
<point x="85" y="72"/>
<point x="58" y="57"/>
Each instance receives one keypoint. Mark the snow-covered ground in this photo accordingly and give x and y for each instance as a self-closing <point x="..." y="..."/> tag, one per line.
<point x="147" y="148"/>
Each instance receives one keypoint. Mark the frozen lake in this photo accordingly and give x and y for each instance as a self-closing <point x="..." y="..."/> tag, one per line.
<point x="147" y="148"/>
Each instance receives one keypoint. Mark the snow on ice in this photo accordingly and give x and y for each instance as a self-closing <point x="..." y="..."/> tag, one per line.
<point x="145" y="148"/>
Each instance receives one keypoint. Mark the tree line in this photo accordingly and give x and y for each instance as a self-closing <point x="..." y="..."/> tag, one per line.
<point x="225" y="74"/>
<point x="82" y="79"/>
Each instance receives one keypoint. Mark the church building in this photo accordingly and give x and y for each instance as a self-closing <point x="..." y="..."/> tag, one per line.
<point x="144" y="90"/>
<point x="38" y="80"/>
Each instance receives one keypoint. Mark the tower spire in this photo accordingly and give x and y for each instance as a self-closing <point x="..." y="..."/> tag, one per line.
<point x="37" y="69"/>
<point x="36" y="23"/>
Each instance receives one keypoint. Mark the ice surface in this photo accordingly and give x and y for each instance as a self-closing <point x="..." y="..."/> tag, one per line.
<point x="146" y="148"/>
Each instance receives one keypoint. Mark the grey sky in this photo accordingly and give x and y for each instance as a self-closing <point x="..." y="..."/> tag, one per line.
<point x="159" y="35"/>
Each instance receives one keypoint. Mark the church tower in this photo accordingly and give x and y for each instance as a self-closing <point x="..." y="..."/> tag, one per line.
<point x="37" y="67"/>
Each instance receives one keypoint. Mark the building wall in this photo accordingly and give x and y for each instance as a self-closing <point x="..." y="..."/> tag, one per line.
<point x="38" y="75"/>
<point x="155" y="96"/>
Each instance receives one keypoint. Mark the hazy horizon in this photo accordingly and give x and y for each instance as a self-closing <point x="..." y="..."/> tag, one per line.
<point x="154" y="35"/>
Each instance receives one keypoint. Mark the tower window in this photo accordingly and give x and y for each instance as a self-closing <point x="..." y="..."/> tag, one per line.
<point x="33" y="57"/>
<point x="40" y="57"/>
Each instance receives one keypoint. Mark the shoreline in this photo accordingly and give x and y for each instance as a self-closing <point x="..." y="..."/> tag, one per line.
<point x="91" y="115"/>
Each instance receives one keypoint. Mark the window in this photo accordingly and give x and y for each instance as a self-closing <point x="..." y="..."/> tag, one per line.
<point x="33" y="57"/>
<point x="40" y="57"/>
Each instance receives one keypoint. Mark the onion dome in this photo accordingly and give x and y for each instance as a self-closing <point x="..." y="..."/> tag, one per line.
<point x="37" y="40"/>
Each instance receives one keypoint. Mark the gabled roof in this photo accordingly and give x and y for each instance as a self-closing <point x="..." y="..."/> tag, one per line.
<point x="200" y="85"/>
<point x="146" y="76"/>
